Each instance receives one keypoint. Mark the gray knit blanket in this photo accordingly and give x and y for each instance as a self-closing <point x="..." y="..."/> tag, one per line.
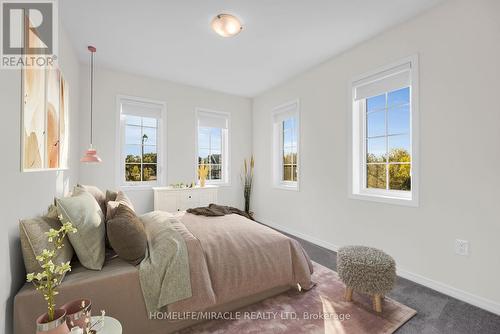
<point x="164" y="272"/>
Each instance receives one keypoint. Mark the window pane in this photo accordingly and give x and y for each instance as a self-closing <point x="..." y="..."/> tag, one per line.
<point x="215" y="172"/>
<point x="375" y="103"/>
<point x="216" y="139"/>
<point x="203" y="156"/>
<point x="294" y="172"/>
<point x="133" y="135"/>
<point x="151" y="122"/>
<point x="287" y="137"/>
<point x="375" y="123"/>
<point x="149" y="173"/>
<point x="400" y="177"/>
<point x="203" y="137"/>
<point x="399" y="148"/>
<point x="215" y="158"/>
<point x="398" y="97"/>
<point x="150" y="134"/>
<point x="132" y="120"/>
<point x="376" y="176"/>
<point x="150" y="154"/>
<point x="216" y="144"/>
<point x="132" y="153"/>
<point x="132" y="172"/>
<point x="288" y="124"/>
<point x="288" y="155"/>
<point x="376" y="150"/>
<point x="399" y="120"/>
<point x="287" y="173"/>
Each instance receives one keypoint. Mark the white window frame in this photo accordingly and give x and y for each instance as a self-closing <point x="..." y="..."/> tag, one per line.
<point x="277" y="150"/>
<point x="357" y="160"/>
<point x="161" y="145"/>
<point x="226" y="147"/>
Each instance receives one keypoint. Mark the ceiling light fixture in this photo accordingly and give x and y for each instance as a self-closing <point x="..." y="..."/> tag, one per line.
<point x="90" y="155"/>
<point x="226" y="25"/>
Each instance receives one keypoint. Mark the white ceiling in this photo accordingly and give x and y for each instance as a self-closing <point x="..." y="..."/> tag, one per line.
<point x="172" y="39"/>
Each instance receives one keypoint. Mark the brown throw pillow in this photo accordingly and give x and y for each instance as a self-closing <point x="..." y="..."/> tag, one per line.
<point x="111" y="206"/>
<point x="126" y="235"/>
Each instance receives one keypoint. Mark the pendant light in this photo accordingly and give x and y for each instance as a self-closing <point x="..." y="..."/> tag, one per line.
<point x="90" y="155"/>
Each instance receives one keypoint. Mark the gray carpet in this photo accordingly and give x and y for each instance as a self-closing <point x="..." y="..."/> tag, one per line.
<point x="437" y="313"/>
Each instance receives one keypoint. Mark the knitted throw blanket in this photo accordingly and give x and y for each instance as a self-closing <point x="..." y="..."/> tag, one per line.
<point x="214" y="210"/>
<point x="164" y="273"/>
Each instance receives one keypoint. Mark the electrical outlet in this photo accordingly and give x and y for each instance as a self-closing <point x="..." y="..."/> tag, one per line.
<point x="461" y="247"/>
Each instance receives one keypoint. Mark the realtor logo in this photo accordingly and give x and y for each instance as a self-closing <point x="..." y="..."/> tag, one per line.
<point x="29" y="33"/>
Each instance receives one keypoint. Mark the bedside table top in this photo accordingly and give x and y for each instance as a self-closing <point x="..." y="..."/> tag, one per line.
<point x="111" y="325"/>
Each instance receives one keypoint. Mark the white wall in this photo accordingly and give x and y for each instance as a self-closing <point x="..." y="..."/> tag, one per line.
<point x="181" y="101"/>
<point x="28" y="194"/>
<point x="459" y="49"/>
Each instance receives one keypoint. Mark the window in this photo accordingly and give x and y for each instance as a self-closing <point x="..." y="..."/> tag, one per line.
<point x="213" y="145"/>
<point x="286" y="145"/>
<point x="384" y="130"/>
<point x="140" y="156"/>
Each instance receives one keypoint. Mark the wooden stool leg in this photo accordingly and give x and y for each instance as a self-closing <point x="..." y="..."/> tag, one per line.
<point x="377" y="303"/>
<point x="348" y="294"/>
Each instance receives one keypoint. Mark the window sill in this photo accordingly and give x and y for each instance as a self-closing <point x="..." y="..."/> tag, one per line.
<point x="284" y="186"/>
<point x="61" y="169"/>
<point x="218" y="184"/>
<point x="387" y="199"/>
<point x="141" y="187"/>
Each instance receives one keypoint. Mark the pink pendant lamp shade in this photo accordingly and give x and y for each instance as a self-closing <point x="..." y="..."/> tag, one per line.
<point x="90" y="155"/>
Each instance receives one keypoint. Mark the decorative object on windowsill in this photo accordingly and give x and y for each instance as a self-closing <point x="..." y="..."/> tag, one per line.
<point x="247" y="179"/>
<point x="78" y="313"/>
<point x="90" y="155"/>
<point x="49" y="279"/>
<point x="202" y="174"/>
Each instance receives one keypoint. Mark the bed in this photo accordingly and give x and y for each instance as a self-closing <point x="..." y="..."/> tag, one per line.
<point x="233" y="262"/>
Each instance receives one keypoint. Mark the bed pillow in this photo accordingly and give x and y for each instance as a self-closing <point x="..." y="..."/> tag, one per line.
<point x="98" y="194"/>
<point x="111" y="195"/>
<point x="126" y="235"/>
<point x="34" y="241"/>
<point x="83" y="211"/>
<point x="121" y="198"/>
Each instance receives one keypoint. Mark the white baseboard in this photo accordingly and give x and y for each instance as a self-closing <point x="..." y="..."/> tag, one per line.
<point x="485" y="304"/>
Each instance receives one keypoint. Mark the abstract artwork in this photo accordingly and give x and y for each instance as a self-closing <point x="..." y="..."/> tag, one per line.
<point x="45" y="120"/>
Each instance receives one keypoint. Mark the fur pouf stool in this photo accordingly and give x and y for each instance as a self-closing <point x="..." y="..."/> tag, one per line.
<point x="367" y="270"/>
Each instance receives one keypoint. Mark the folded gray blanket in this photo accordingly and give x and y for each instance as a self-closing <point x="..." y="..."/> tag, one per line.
<point x="214" y="210"/>
<point x="164" y="273"/>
